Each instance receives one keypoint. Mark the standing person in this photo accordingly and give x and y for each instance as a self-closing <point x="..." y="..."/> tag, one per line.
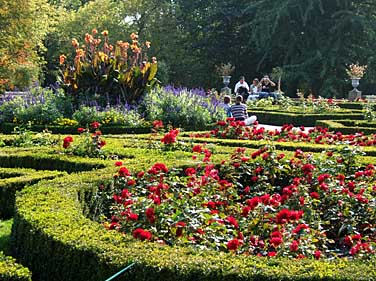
<point x="227" y="106"/>
<point x="239" y="109"/>
<point x="242" y="88"/>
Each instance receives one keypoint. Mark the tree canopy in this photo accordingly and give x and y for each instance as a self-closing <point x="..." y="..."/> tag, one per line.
<point x="310" y="41"/>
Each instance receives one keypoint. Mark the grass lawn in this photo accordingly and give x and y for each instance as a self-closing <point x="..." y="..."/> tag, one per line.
<point x="5" y="229"/>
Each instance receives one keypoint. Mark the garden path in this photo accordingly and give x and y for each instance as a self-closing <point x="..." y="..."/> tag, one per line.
<point x="272" y="127"/>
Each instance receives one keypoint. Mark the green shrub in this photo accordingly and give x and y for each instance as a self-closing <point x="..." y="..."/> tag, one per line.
<point x="182" y="108"/>
<point x="13" y="181"/>
<point x="12" y="271"/>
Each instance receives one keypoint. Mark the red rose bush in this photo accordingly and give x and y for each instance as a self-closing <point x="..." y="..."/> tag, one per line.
<point x="255" y="203"/>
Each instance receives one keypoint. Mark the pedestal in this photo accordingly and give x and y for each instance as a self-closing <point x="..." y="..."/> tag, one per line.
<point x="355" y="94"/>
<point x="226" y="91"/>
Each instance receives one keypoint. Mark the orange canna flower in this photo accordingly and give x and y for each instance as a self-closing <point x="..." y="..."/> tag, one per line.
<point x="80" y="52"/>
<point x="75" y="43"/>
<point x="62" y="59"/>
<point x="136" y="49"/>
<point x="134" y="36"/>
<point x="110" y="47"/>
<point x="94" y="31"/>
<point x="105" y="32"/>
<point x="97" y="41"/>
<point x="125" y="45"/>
<point x="88" y="38"/>
<point x="147" y="44"/>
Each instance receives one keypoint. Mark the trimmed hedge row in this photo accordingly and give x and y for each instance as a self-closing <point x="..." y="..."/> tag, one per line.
<point x="346" y="128"/>
<point x="7" y="128"/>
<point x="12" y="181"/>
<point x="12" y="271"/>
<point x="31" y="158"/>
<point x="54" y="238"/>
<point x="359" y="123"/>
<point x="309" y="120"/>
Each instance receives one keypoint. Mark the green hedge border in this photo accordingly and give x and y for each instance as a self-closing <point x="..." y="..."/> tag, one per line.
<point x="7" y="128"/>
<point x="54" y="238"/>
<point x="343" y="126"/>
<point x="12" y="181"/>
<point x="12" y="271"/>
<point x="308" y="120"/>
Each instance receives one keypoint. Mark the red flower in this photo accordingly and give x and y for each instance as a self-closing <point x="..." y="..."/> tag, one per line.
<point x="67" y="141"/>
<point x="123" y="172"/>
<point x="132" y="217"/>
<point x="141" y="234"/>
<point x="276" y="241"/>
<point x="80" y="130"/>
<point x="317" y="254"/>
<point x="150" y="214"/>
<point x="314" y="195"/>
<point x="294" y="246"/>
<point x="190" y="171"/>
<point x="158" y="124"/>
<point x="179" y="228"/>
<point x="118" y="164"/>
<point x="95" y="125"/>
<point x="233" y="244"/>
<point x="197" y="148"/>
<point x="272" y="254"/>
<point x="232" y="221"/>
<point x="157" y="168"/>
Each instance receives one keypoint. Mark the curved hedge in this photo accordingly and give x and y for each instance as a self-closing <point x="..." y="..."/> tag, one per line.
<point x="11" y="181"/>
<point x="12" y="271"/>
<point x="54" y="238"/>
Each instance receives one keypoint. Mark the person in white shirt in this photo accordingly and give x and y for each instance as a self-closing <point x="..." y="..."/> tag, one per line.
<point x="242" y="88"/>
<point x="254" y="89"/>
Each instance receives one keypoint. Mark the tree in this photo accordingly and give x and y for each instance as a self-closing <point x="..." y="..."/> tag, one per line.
<point x="312" y="40"/>
<point x="24" y="25"/>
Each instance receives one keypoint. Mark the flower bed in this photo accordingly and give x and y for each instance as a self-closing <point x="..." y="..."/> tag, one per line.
<point x="238" y="130"/>
<point x="299" y="207"/>
<point x="52" y="228"/>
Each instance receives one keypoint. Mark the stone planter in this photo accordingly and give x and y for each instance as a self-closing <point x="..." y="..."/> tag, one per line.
<point x="226" y="81"/>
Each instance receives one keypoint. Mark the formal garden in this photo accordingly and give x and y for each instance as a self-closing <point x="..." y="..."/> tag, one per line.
<point x="118" y="162"/>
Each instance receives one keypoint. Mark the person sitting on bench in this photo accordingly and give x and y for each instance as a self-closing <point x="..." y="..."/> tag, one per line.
<point x="242" y="88"/>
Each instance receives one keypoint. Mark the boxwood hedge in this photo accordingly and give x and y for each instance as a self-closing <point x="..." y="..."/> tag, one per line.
<point x="54" y="237"/>
<point x="348" y="126"/>
<point x="307" y="119"/>
<point x="11" y="181"/>
<point x="12" y="271"/>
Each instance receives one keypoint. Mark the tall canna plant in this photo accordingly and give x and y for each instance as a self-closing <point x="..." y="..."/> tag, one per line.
<point x="108" y="73"/>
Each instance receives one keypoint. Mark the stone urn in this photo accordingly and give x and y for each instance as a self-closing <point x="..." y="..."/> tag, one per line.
<point x="355" y="94"/>
<point x="355" y="82"/>
<point x="226" y="82"/>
